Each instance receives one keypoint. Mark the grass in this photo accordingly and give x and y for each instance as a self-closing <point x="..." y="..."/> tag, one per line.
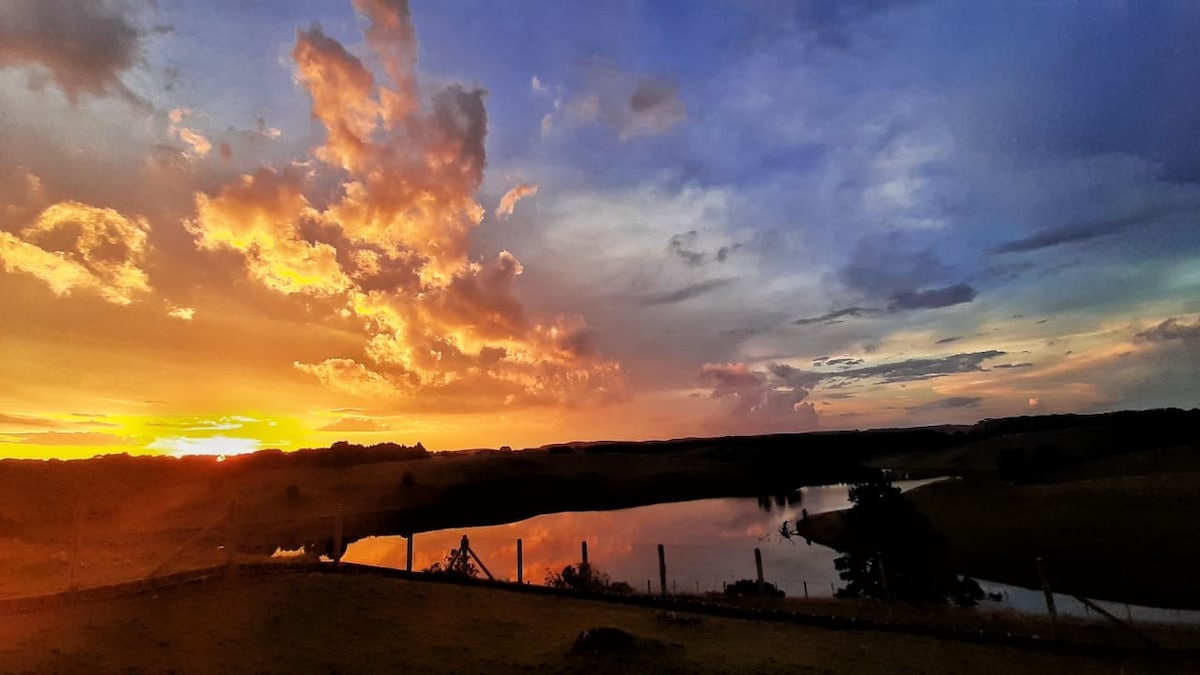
<point x="1128" y="539"/>
<point x="333" y="623"/>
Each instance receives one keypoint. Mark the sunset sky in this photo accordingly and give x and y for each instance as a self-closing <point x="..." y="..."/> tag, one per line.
<point x="237" y="225"/>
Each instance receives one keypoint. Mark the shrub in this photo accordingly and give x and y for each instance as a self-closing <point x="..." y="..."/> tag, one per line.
<point x="749" y="588"/>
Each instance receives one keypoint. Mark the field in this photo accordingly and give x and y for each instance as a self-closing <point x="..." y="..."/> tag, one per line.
<point x="296" y="622"/>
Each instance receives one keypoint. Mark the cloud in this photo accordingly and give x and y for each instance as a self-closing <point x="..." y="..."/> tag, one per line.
<point x="655" y="107"/>
<point x="26" y="422"/>
<point x="509" y="201"/>
<point x="920" y="369"/>
<point x="694" y="249"/>
<point x="880" y="266"/>
<point x="259" y="216"/>
<point x="536" y="84"/>
<point x="1072" y="234"/>
<point x="948" y="403"/>
<point x="932" y="298"/>
<point x="1170" y="330"/>
<point x="378" y="231"/>
<point x="765" y="401"/>
<point x="834" y="316"/>
<point x="198" y="142"/>
<point x="72" y="245"/>
<point x="355" y="424"/>
<point x="948" y="340"/>
<point x="58" y="438"/>
<point x="832" y="25"/>
<point x="82" y="47"/>
<point x="681" y="294"/>
<point x="182" y="313"/>
<point x="349" y="377"/>
<point x="632" y="106"/>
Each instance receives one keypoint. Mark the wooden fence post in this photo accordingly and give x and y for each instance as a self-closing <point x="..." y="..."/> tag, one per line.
<point x="662" y="570"/>
<point x="520" y="562"/>
<point x="805" y="590"/>
<point x="583" y="552"/>
<point x="1044" y="575"/>
<point x="408" y="561"/>
<point x="758" y="569"/>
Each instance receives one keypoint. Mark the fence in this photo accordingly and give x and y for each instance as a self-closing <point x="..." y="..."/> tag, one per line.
<point x="84" y="559"/>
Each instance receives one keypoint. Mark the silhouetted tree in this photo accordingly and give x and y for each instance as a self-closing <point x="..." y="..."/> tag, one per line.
<point x="889" y="549"/>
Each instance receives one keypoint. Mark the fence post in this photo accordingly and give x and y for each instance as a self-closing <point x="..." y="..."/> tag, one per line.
<point x="805" y="590"/>
<point x="662" y="570"/>
<point x="758" y="570"/>
<point x="583" y="552"/>
<point x="408" y="561"/>
<point x="1044" y="575"/>
<point x="520" y="562"/>
<point x="338" y="531"/>
<point x="649" y="591"/>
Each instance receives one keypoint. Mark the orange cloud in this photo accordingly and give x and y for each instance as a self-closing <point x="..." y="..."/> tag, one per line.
<point x="72" y="245"/>
<point x="392" y="243"/>
<point x="260" y="216"/>
<point x="509" y="201"/>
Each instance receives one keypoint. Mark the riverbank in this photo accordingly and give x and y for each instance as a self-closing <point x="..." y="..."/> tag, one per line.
<point x="1126" y="539"/>
<point x="304" y="622"/>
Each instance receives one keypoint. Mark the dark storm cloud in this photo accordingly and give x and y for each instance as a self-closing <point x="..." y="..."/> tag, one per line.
<point x="681" y="294"/>
<point x="1071" y="234"/>
<point x="949" y="403"/>
<point x="880" y="266"/>
<point x="684" y="246"/>
<point x="679" y="245"/>
<point x="834" y="316"/>
<point x="920" y="369"/>
<point x="1169" y="330"/>
<point x="948" y="340"/>
<point x="655" y="105"/>
<point x="83" y="47"/>
<point x="932" y="298"/>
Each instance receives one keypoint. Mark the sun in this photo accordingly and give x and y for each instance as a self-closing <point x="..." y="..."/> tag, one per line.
<point x="211" y="445"/>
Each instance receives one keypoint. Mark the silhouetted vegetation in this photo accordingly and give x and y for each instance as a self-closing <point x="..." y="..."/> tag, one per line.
<point x="889" y="549"/>
<point x="584" y="577"/>
<point x="748" y="588"/>
<point x="454" y="565"/>
<point x="340" y="454"/>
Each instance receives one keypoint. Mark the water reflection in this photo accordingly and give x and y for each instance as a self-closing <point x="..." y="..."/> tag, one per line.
<point x="708" y="542"/>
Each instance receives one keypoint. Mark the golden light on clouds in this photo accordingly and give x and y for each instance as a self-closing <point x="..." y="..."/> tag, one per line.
<point x="368" y="237"/>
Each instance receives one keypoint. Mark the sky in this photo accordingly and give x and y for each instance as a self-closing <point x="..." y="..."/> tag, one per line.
<point x="234" y="225"/>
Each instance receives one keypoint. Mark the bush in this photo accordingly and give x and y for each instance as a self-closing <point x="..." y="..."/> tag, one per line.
<point x="583" y="577"/>
<point x="455" y="566"/>
<point x="749" y="588"/>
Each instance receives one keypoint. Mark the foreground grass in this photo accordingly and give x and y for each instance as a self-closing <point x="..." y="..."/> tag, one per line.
<point x="325" y="623"/>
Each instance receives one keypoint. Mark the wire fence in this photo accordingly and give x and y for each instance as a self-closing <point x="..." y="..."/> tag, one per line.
<point x="519" y="552"/>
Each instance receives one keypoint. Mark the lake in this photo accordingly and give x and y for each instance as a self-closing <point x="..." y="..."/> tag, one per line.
<point x="708" y="543"/>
